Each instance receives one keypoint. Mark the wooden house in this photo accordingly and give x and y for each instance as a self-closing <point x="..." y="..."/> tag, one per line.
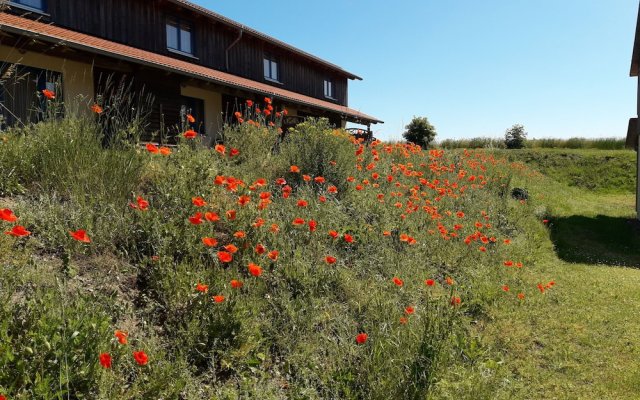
<point x="188" y="58"/>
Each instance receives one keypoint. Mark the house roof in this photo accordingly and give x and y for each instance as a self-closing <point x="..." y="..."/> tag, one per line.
<point x="92" y="44"/>
<point x="203" y="11"/>
<point x="635" y="58"/>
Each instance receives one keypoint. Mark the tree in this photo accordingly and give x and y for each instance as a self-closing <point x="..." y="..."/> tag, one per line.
<point x="420" y="132"/>
<point x="515" y="137"/>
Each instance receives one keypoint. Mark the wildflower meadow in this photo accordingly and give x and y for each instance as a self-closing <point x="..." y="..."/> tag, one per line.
<point x="306" y="265"/>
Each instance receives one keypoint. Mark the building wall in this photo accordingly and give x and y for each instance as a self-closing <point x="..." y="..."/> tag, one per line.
<point x="77" y="77"/>
<point x="213" y="109"/>
<point x="142" y="24"/>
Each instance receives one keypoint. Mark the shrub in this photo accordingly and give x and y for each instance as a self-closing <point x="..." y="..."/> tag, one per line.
<point x="420" y="132"/>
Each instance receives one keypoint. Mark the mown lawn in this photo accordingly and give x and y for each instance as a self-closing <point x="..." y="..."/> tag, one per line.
<point x="585" y="342"/>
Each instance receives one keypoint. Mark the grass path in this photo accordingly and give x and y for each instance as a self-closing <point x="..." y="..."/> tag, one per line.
<point x="583" y="341"/>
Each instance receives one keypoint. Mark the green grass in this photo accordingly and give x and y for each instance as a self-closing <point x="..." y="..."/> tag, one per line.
<point x="291" y="332"/>
<point x="584" y="343"/>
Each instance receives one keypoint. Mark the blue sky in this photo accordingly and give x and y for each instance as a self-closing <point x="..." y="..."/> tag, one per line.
<point x="474" y="68"/>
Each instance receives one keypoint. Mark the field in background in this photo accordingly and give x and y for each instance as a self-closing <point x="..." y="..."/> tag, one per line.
<point x="549" y="143"/>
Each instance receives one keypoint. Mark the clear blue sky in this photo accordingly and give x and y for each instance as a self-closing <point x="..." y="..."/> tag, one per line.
<point x="474" y="68"/>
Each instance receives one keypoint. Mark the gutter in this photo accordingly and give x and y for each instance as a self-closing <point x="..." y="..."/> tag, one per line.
<point x="235" y="42"/>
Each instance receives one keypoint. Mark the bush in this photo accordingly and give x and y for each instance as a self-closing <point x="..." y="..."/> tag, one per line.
<point x="420" y="132"/>
<point x="515" y="137"/>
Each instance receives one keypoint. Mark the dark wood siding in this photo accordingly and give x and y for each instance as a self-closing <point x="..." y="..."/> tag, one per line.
<point x="142" y="24"/>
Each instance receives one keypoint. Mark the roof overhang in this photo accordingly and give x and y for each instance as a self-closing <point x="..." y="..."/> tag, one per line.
<point x="91" y="44"/>
<point x="247" y="30"/>
<point x="635" y="58"/>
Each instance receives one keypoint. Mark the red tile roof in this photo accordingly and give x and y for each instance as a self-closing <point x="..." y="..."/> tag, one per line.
<point x="92" y="44"/>
<point x="270" y="39"/>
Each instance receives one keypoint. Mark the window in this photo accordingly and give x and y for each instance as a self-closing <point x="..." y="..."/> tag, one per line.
<point x="179" y="36"/>
<point x="35" y="4"/>
<point x="271" y="72"/>
<point x="328" y="89"/>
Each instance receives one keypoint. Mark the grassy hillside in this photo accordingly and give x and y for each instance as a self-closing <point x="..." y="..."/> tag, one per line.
<point x="314" y="267"/>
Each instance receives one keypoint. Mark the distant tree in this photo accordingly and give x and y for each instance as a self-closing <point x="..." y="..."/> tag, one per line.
<point x="515" y="137"/>
<point x="420" y="132"/>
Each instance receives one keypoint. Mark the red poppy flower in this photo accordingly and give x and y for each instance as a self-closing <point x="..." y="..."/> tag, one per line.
<point x="121" y="335"/>
<point x="239" y="234"/>
<point x="361" y="338"/>
<point x="231" y="248"/>
<point x="225" y="256"/>
<point x="165" y="151"/>
<point x="260" y="249"/>
<point x="347" y="238"/>
<point x="7" y="215"/>
<point x="105" y="360"/>
<point x="201" y="287"/>
<point x="18" y="231"/>
<point x="254" y="269"/>
<point x="386" y="233"/>
<point x="302" y="203"/>
<point x="234" y="152"/>
<point x="48" y="94"/>
<point x="190" y="134"/>
<point x="211" y="216"/>
<point x="399" y="282"/>
<point x="298" y="221"/>
<point x="96" y="109"/>
<point x="330" y="259"/>
<point x="505" y="288"/>
<point x="231" y="215"/>
<point x="294" y="169"/>
<point x="333" y="234"/>
<point x="249" y="103"/>
<point x="313" y="225"/>
<point x="209" y="241"/>
<point x="455" y="300"/>
<point x="409" y="310"/>
<point x="190" y="118"/>
<point x="508" y="263"/>
<point x="403" y="320"/>
<point x="319" y="179"/>
<point x="198" y="201"/>
<point x="521" y="296"/>
<point x="220" y="149"/>
<point x="332" y="189"/>
<point x="236" y="284"/>
<point x="273" y="255"/>
<point x="80" y="235"/>
<point x="243" y="200"/>
<point x="430" y="282"/>
<point x="196" y="219"/>
<point x="152" y="148"/>
<point x="218" y="298"/>
<point x="141" y="357"/>
<point x="449" y="281"/>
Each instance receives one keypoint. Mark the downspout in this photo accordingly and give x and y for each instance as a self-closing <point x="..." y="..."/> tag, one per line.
<point x="226" y="52"/>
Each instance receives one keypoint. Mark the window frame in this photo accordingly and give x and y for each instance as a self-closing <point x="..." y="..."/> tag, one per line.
<point x="272" y="60"/>
<point x="178" y="23"/>
<point x="329" y="83"/>
<point x="26" y="7"/>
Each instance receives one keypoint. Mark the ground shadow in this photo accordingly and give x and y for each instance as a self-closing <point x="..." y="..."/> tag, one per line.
<point x="597" y="240"/>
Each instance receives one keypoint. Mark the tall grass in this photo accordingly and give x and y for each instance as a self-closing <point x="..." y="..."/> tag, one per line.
<point x="288" y="333"/>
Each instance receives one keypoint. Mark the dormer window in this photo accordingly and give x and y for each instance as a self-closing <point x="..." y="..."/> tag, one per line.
<point x="37" y="5"/>
<point x="179" y="36"/>
<point x="328" y="89"/>
<point x="271" y="72"/>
